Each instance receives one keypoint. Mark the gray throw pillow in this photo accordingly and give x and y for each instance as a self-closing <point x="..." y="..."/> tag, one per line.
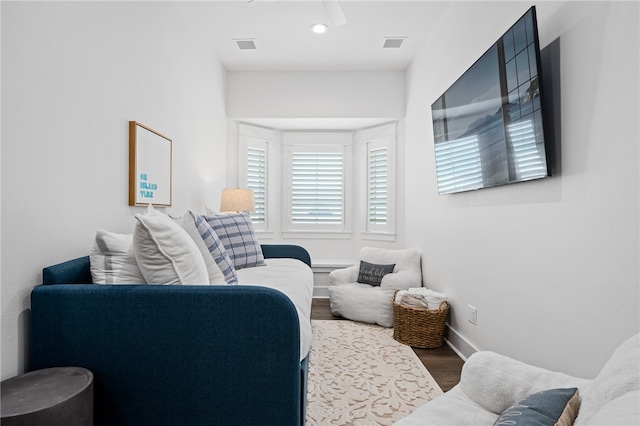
<point x="372" y="274"/>
<point x="551" y="407"/>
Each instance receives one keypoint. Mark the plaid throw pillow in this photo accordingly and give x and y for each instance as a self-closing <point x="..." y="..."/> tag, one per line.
<point x="216" y="248"/>
<point x="235" y="230"/>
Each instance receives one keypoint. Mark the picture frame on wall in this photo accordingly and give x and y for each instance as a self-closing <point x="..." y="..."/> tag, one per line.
<point x="150" y="167"/>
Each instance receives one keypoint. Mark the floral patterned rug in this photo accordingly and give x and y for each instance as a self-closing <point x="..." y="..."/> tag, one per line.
<point x="359" y="375"/>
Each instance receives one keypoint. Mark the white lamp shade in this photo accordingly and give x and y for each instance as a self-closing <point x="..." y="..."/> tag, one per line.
<point x="237" y="200"/>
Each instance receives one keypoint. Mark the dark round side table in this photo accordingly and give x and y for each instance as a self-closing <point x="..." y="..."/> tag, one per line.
<point x="52" y="396"/>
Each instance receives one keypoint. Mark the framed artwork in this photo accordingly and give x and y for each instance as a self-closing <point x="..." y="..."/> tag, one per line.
<point x="150" y="167"/>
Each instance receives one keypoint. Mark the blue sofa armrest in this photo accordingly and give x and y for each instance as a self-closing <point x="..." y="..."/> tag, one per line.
<point x="175" y="355"/>
<point x="272" y="251"/>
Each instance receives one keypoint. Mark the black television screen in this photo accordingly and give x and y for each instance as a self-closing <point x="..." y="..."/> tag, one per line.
<point x="487" y="126"/>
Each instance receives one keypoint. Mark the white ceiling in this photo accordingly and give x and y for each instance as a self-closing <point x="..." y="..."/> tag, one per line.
<point x="284" y="41"/>
<point x="281" y="31"/>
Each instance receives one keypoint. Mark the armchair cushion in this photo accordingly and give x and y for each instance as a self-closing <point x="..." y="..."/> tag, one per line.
<point x="362" y="302"/>
<point x="344" y="275"/>
<point x="496" y="381"/>
<point x="619" y="375"/>
<point x="491" y="382"/>
<point x="368" y="303"/>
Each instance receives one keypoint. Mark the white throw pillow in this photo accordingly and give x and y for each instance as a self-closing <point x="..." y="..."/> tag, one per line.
<point x="210" y="212"/>
<point x="112" y="259"/>
<point x="165" y="253"/>
<point x="215" y="273"/>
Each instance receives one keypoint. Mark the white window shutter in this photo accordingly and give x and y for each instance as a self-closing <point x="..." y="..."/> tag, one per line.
<point x="378" y="186"/>
<point x="257" y="181"/>
<point x="317" y="182"/>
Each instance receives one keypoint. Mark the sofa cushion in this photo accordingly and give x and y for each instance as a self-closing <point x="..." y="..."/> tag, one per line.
<point x="165" y="252"/>
<point x="236" y="232"/>
<point x="553" y="407"/>
<point x="112" y="259"/>
<point x="217" y="250"/>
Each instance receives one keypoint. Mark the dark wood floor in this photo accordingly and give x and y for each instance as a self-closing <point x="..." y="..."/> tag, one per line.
<point x="443" y="363"/>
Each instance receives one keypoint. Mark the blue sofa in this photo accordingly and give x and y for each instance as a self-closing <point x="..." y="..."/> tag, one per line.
<point x="175" y="355"/>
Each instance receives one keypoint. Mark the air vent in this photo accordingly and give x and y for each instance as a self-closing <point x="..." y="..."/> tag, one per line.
<point x="393" y="42"/>
<point x="245" y="44"/>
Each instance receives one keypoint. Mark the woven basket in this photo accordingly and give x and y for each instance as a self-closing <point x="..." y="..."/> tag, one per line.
<point x="419" y="327"/>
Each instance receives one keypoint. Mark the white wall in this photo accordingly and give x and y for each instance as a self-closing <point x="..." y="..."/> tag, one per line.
<point x="552" y="266"/>
<point x="280" y="98"/>
<point x="321" y="94"/>
<point x="73" y="75"/>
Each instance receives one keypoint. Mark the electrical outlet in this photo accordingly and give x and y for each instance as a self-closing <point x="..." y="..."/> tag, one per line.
<point x="473" y="315"/>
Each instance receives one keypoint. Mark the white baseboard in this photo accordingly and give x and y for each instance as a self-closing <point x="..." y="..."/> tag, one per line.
<point x="459" y="344"/>
<point x="321" y="292"/>
<point x="453" y="339"/>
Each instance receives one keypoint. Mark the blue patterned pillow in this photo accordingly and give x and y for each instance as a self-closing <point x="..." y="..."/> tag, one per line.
<point x="550" y="407"/>
<point x="235" y="230"/>
<point x="216" y="248"/>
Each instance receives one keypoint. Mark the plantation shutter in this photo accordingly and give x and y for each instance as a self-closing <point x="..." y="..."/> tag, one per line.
<point x="257" y="181"/>
<point x="459" y="166"/>
<point x="317" y="188"/>
<point x="378" y="186"/>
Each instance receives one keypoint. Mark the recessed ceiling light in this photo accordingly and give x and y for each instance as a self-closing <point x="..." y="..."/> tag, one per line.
<point x="319" y="28"/>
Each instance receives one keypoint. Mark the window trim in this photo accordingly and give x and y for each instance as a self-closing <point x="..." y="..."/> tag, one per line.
<point x="383" y="136"/>
<point x="262" y="139"/>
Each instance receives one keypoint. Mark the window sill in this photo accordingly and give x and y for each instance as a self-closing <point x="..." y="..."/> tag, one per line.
<point x="317" y="235"/>
<point x="325" y="266"/>
<point x="264" y="235"/>
<point x="378" y="236"/>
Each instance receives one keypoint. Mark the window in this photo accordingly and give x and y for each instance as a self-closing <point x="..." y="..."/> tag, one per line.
<point x="377" y="147"/>
<point x="377" y="191"/>
<point x="321" y="184"/>
<point x="316" y="181"/>
<point x="255" y="148"/>
<point x="257" y="181"/>
<point x="317" y="188"/>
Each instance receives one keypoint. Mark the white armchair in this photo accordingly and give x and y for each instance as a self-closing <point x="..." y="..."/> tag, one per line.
<point x="372" y="304"/>
<point x="490" y="383"/>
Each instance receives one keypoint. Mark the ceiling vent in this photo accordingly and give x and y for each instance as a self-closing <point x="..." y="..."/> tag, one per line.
<point x="393" y="42"/>
<point x="245" y="44"/>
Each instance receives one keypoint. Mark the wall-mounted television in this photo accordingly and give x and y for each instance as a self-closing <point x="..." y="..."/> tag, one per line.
<point x="488" y="126"/>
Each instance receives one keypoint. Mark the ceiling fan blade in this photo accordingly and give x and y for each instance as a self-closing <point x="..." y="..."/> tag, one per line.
<point x="334" y="12"/>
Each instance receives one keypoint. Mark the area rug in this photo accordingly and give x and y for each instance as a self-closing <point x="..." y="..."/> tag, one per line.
<point x="359" y="375"/>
